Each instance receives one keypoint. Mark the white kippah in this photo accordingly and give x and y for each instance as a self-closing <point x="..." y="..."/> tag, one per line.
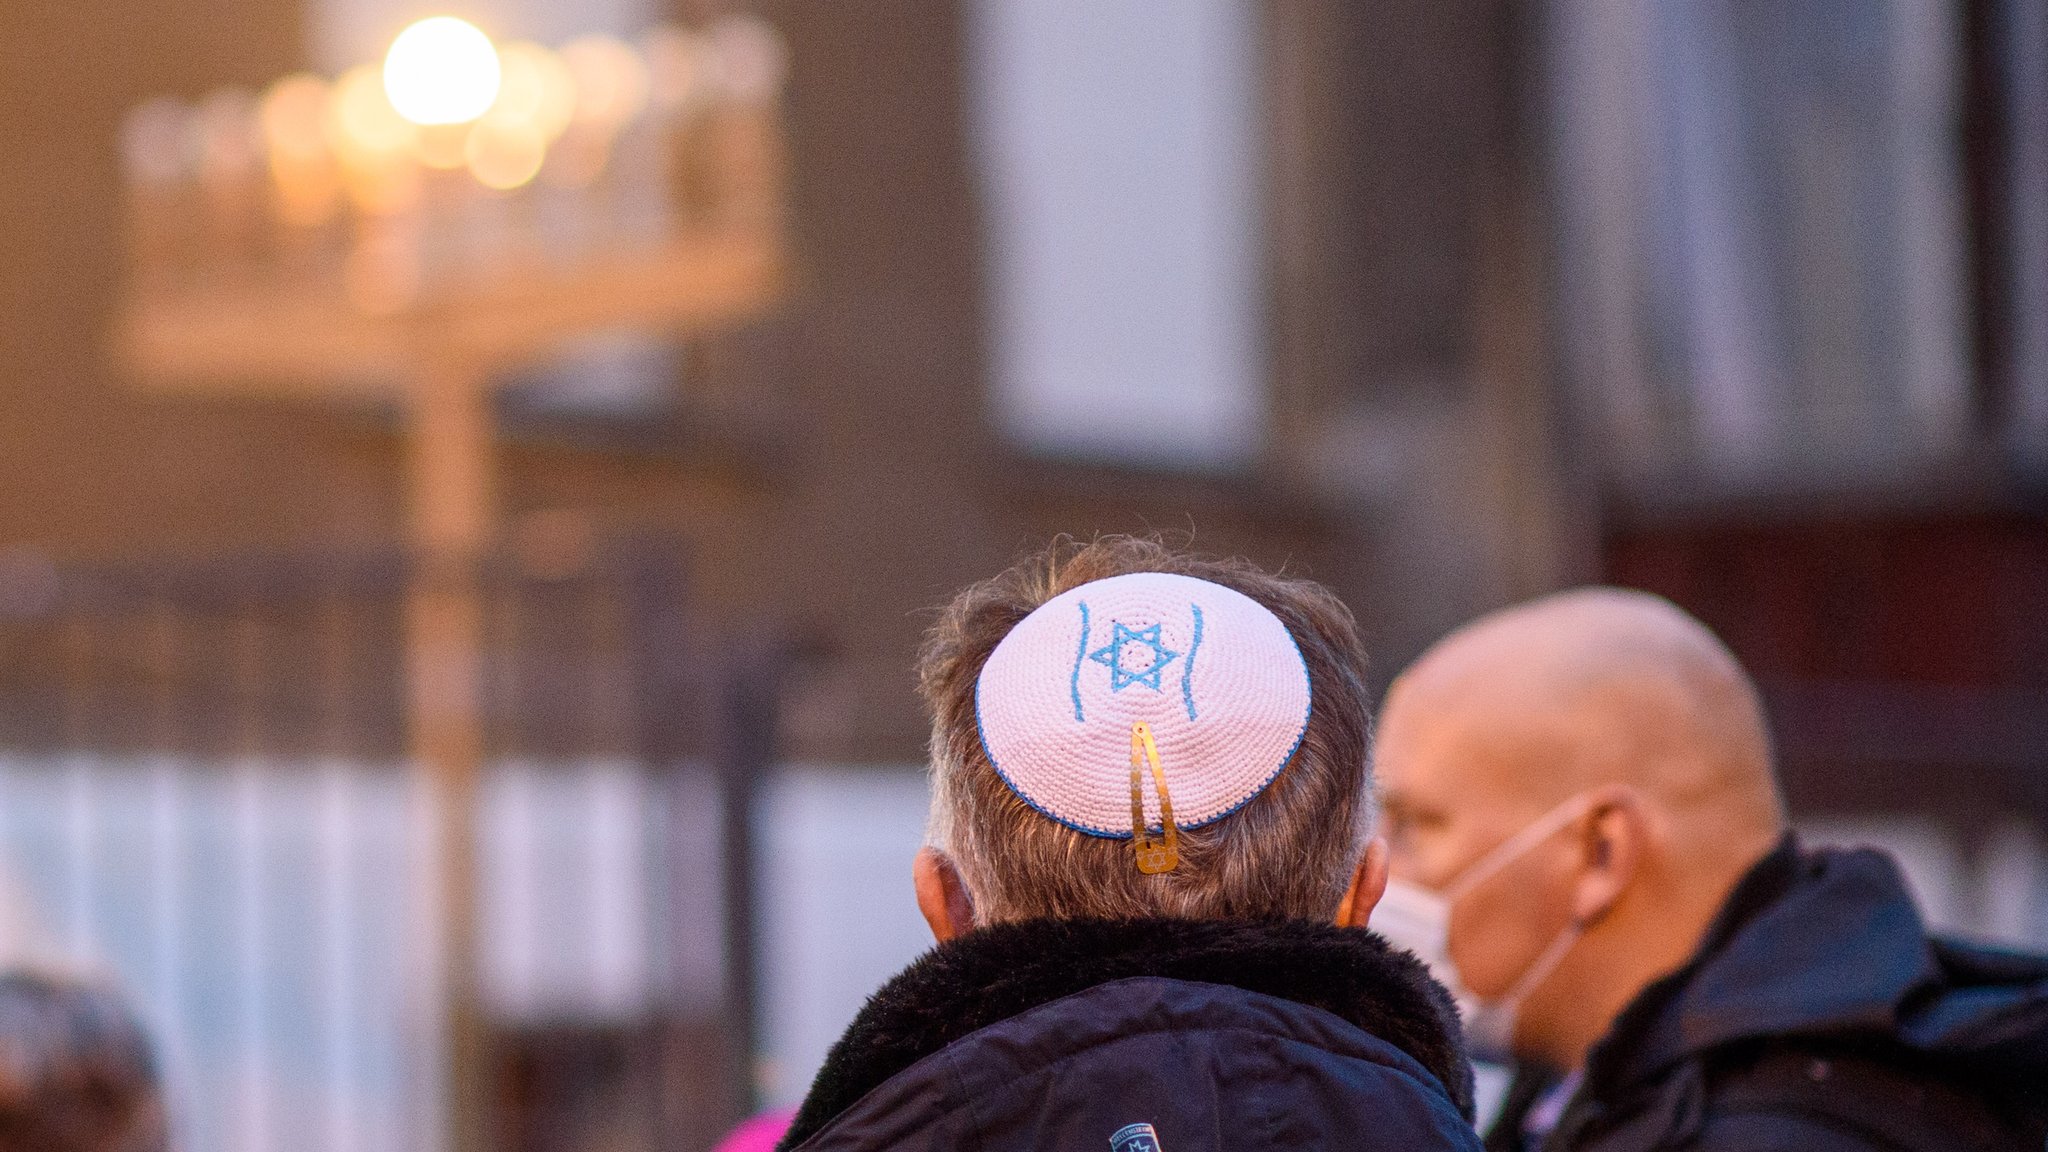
<point x="1214" y="673"/>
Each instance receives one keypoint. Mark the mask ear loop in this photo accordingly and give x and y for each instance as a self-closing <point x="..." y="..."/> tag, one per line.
<point x="1154" y="856"/>
<point x="1543" y="828"/>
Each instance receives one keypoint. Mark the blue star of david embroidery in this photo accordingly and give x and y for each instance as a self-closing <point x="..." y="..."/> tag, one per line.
<point x="1111" y="656"/>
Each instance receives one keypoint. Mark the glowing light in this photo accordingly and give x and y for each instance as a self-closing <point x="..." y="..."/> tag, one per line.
<point x="611" y="80"/>
<point x="441" y="145"/>
<point x="362" y="120"/>
<point x="537" y="91"/>
<point x="293" y="112"/>
<point x="505" y="156"/>
<point x="441" y="70"/>
<point x="373" y="143"/>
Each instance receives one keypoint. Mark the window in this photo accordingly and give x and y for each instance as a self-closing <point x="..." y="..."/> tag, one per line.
<point x="1764" y="232"/>
<point x="1119" y="187"/>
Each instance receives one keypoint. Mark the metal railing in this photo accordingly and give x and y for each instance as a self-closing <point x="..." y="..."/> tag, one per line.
<point x="205" y="794"/>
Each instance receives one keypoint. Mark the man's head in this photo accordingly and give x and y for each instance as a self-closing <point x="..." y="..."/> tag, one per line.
<point x="1627" y="739"/>
<point x="1297" y="847"/>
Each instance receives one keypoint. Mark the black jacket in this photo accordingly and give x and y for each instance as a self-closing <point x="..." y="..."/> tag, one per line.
<point x="1054" y="1035"/>
<point x="1818" y="1016"/>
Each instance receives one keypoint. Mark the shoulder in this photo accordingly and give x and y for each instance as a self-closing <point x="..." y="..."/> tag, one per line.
<point x="1058" y="991"/>
<point x="1207" y="1066"/>
<point x="1852" y="1095"/>
<point x="1799" y="1095"/>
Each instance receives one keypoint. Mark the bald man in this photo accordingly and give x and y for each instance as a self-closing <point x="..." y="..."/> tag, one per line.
<point x="1590" y="849"/>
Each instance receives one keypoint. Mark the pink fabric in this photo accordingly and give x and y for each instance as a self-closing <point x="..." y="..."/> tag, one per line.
<point x="1216" y="676"/>
<point x="759" y="1134"/>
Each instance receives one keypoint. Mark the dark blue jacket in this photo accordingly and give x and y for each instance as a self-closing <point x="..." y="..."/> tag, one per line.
<point x="1052" y="1036"/>
<point x="1819" y="1016"/>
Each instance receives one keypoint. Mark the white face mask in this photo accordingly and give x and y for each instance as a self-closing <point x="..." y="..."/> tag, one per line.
<point x="1413" y="917"/>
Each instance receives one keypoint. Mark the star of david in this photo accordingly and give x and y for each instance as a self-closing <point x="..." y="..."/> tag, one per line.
<point x="1111" y="655"/>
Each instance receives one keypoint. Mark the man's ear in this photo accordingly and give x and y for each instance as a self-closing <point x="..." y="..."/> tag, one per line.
<point x="941" y="895"/>
<point x="1368" y="884"/>
<point x="1617" y="829"/>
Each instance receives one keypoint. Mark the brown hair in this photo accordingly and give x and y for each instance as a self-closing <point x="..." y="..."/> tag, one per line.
<point x="1290" y="851"/>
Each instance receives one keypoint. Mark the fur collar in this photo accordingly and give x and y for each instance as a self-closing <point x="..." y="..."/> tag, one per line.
<point x="992" y="974"/>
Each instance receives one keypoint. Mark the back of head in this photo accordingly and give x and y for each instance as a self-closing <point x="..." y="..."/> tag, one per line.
<point x="1284" y="844"/>
<point x="76" y="1073"/>
<point x="1583" y="778"/>
<point x="1606" y="685"/>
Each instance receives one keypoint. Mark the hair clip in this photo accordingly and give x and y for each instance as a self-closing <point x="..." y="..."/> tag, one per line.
<point x="1154" y="856"/>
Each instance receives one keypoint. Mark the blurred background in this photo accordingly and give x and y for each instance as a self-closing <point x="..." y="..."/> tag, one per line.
<point x="468" y="507"/>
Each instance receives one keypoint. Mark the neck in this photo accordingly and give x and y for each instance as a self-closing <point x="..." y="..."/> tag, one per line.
<point x="1578" y="1004"/>
<point x="1654" y="931"/>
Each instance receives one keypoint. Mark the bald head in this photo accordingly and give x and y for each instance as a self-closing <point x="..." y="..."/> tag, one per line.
<point x="1590" y="687"/>
<point x="1623" y="718"/>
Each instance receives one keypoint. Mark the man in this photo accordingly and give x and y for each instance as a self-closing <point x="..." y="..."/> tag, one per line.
<point x="1589" y="844"/>
<point x="1148" y="873"/>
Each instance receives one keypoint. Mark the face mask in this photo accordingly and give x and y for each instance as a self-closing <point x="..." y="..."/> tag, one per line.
<point x="1413" y="917"/>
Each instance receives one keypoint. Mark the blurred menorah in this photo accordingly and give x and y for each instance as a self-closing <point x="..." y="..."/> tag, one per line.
<point x="500" y="198"/>
<point x="411" y="232"/>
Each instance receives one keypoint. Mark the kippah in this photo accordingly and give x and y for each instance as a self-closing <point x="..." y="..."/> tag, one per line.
<point x="1215" y="676"/>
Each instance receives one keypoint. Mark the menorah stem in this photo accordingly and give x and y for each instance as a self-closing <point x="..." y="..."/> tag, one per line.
<point x="452" y="512"/>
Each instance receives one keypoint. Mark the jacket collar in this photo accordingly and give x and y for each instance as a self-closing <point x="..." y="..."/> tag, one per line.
<point x="992" y="974"/>
<point x="1824" y="943"/>
<point x="1769" y="962"/>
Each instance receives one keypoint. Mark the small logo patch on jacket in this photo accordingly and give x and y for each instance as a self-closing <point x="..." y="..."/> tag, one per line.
<point x="1135" y="1138"/>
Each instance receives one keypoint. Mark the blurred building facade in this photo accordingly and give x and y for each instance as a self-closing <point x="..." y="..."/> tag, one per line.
<point x="852" y="462"/>
<point x="1800" y="259"/>
<point x="1443" y="304"/>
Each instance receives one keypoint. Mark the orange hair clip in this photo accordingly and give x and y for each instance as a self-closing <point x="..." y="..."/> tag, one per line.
<point x="1154" y="856"/>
